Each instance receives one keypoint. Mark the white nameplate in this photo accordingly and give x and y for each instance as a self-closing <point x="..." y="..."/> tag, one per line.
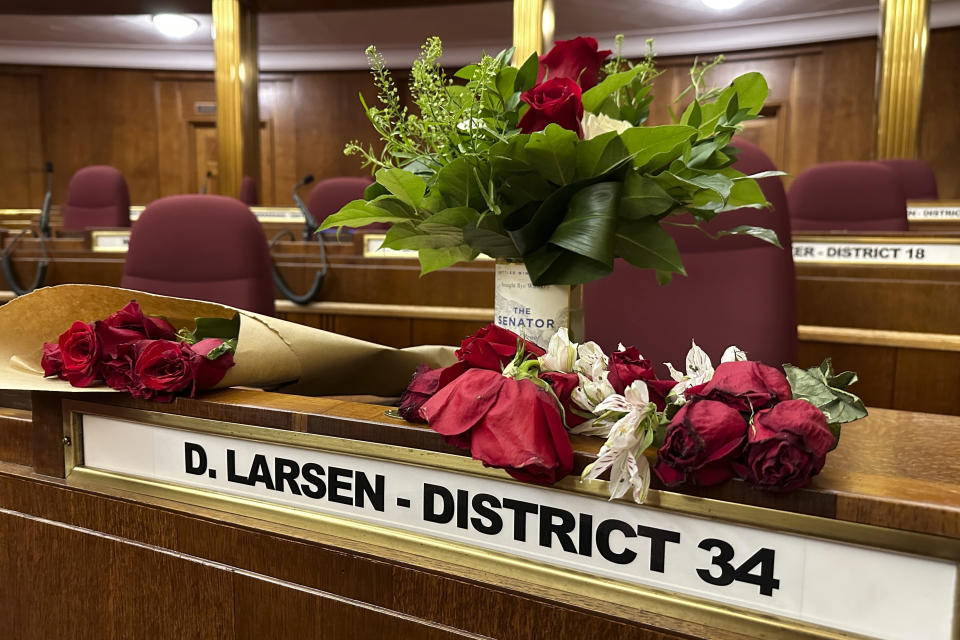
<point x="878" y="252"/>
<point x="110" y="241"/>
<point x="373" y="248"/>
<point x="877" y="593"/>
<point x="263" y="214"/>
<point x="933" y="212"/>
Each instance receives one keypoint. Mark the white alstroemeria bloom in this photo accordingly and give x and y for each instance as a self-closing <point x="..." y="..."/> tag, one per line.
<point x="699" y="369"/>
<point x="622" y="453"/>
<point x="561" y="353"/>
<point x="592" y="390"/>
<point x="590" y="359"/>
<point x="594" y="125"/>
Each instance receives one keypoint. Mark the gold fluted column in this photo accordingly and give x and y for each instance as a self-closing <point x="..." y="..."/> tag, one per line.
<point x="903" y="49"/>
<point x="237" y="78"/>
<point x="527" y="28"/>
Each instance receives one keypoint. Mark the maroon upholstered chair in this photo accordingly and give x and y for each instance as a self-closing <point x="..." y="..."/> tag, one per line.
<point x="248" y="192"/>
<point x="329" y="196"/>
<point x="738" y="290"/>
<point x="848" y="196"/>
<point x="97" y="196"/>
<point x="201" y="247"/>
<point x="917" y="178"/>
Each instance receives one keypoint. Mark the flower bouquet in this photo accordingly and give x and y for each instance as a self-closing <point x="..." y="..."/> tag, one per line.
<point x="550" y="163"/>
<point x="513" y="406"/>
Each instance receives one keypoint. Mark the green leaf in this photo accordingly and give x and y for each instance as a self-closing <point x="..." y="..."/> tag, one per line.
<point x="767" y="235"/>
<point x="552" y="152"/>
<point x="589" y="225"/>
<point x="457" y="184"/>
<point x="434" y="259"/>
<point x="488" y="237"/>
<point x="227" y="346"/>
<point x="693" y="115"/>
<point x="506" y="80"/>
<point x="601" y="154"/>
<point x="826" y="391"/>
<point x="654" y="147"/>
<point x="408" y="187"/>
<point x="222" y="328"/>
<point x="642" y="197"/>
<point x="751" y="91"/>
<point x="552" y="265"/>
<point x="359" y="213"/>
<point x="527" y="76"/>
<point x="466" y="72"/>
<point x="594" y="97"/>
<point x="645" y="244"/>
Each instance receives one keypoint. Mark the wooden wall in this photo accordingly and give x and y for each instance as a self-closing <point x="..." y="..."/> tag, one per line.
<point x="146" y="122"/>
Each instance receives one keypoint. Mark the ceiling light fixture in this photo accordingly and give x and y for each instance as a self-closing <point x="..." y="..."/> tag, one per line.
<point x="721" y="5"/>
<point x="175" y="25"/>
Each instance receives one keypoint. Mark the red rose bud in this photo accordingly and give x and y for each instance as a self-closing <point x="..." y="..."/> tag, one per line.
<point x="746" y="386"/>
<point x="563" y="385"/>
<point x="701" y="442"/>
<point x="627" y="366"/>
<point x="786" y="447"/>
<point x="556" y="101"/>
<point x="52" y="360"/>
<point x="131" y="318"/>
<point x="577" y="59"/>
<point x="167" y="367"/>
<point x="494" y="348"/>
<point x="80" y="351"/>
<point x="211" y="372"/>
<point x="506" y="423"/>
<point x="426" y="382"/>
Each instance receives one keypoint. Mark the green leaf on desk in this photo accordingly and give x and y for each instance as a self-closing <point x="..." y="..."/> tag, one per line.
<point x="828" y="392"/>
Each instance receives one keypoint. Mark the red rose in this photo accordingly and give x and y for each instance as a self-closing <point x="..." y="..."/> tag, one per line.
<point x="747" y="386"/>
<point x="52" y="360"/>
<point x="701" y="442"/>
<point x="627" y="367"/>
<point x="787" y="446"/>
<point x="131" y="318"/>
<point x="165" y="367"/>
<point x="426" y="382"/>
<point x="493" y="348"/>
<point x="577" y="59"/>
<point x="211" y="372"/>
<point x="556" y="101"/>
<point x="563" y="385"/>
<point x="119" y="371"/>
<point x="80" y="351"/>
<point x="506" y="423"/>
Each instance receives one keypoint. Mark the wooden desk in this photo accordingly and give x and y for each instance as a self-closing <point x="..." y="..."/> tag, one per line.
<point x="136" y="559"/>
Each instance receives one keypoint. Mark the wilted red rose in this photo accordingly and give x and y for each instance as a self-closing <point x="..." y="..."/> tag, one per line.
<point x="119" y="371"/>
<point x="506" y="423"/>
<point x="701" y="442"/>
<point x="786" y="447"/>
<point x="563" y="385"/>
<point x="556" y="101"/>
<point x="627" y="366"/>
<point x="493" y="348"/>
<point x="426" y="382"/>
<point x="132" y="318"/>
<point x="577" y="59"/>
<point x="80" y="351"/>
<point x="166" y="367"/>
<point x="52" y="360"/>
<point x="746" y="386"/>
<point x="211" y="372"/>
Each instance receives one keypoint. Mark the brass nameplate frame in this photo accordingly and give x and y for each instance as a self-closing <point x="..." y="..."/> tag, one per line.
<point x="926" y="251"/>
<point x="109" y="241"/>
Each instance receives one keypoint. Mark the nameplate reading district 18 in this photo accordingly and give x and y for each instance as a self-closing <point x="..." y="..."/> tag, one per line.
<point x="874" y="592"/>
<point x="918" y="251"/>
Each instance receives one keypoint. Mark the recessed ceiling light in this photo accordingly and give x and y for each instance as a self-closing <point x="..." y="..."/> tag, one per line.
<point x="175" y="25"/>
<point x="721" y="5"/>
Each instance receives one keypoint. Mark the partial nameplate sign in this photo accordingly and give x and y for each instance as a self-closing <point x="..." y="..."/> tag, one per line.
<point x="906" y="250"/>
<point x="110" y="241"/>
<point x="878" y="593"/>
<point x="264" y="214"/>
<point x="373" y="248"/>
<point x="947" y="210"/>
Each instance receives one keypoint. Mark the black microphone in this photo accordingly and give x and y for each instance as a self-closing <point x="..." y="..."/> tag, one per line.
<point x="45" y="211"/>
<point x="310" y="225"/>
<point x="307" y="179"/>
<point x="206" y="181"/>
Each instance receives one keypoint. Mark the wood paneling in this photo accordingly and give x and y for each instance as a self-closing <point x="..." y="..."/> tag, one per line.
<point x="940" y="110"/>
<point x="21" y="163"/>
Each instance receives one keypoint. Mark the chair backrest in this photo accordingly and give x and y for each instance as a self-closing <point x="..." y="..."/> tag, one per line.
<point x="848" y="196"/>
<point x="97" y="196"/>
<point x="329" y="196"/>
<point x="917" y="178"/>
<point x="738" y="290"/>
<point x="248" y="192"/>
<point x="202" y="247"/>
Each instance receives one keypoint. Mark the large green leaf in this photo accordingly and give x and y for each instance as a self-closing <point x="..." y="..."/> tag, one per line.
<point x="360" y="213"/>
<point x="487" y="236"/>
<point x="828" y="392"/>
<point x="594" y="97"/>
<point x="752" y="92"/>
<point x="654" y="147"/>
<point x="600" y="155"/>
<point x="553" y="265"/>
<point x="591" y="219"/>
<point x="645" y="244"/>
<point x="527" y="76"/>
<point x="767" y="235"/>
<point x="444" y="229"/>
<point x="434" y="259"/>
<point x="457" y="183"/>
<point x="403" y="184"/>
<point x="553" y="154"/>
<point x="642" y="197"/>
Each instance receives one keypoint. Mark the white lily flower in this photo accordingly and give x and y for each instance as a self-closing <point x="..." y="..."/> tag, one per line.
<point x="561" y="353"/>
<point x="594" y="125"/>
<point x="699" y="370"/>
<point x="591" y="359"/>
<point x="733" y="354"/>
